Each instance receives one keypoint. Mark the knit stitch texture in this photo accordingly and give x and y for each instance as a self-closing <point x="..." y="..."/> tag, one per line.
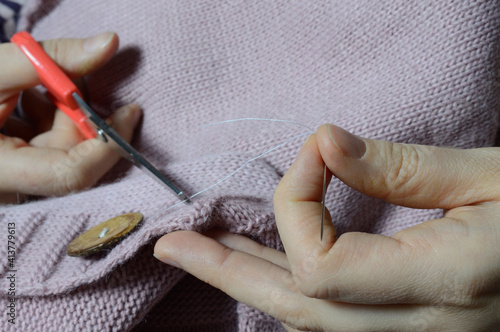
<point x="422" y="72"/>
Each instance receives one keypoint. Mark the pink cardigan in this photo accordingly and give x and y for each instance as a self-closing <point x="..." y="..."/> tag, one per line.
<point x="421" y="72"/>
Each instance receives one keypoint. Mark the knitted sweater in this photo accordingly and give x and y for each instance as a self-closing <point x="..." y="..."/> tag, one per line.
<point x="422" y="72"/>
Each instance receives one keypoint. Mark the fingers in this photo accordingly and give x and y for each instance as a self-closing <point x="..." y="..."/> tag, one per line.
<point x="244" y="244"/>
<point x="221" y="266"/>
<point x="411" y="175"/>
<point x="51" y="171"/>
<point x="410" y="267"/>
<point x="77" y="57"/>
<point x="270" y="288"/>
<point x="353" y="268"/>
<point x="101" y="156"/>
<point x="63" y="135"/>
<point x="327" y="269"/>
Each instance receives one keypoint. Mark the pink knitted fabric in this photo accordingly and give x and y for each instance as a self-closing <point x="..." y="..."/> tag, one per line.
<point x="416" y="72"/>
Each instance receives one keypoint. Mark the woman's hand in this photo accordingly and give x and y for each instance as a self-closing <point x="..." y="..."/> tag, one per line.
<point x="441" y="275"/>
<point x="44" y="153"/>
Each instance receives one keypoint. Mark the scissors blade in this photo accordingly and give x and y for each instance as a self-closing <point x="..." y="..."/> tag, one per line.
<point x="126" y="150"/>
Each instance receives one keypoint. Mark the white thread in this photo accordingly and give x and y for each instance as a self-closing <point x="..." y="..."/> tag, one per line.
<point x="103" y="232"/>
<point x="248" y="161"/>
<point x="259" y="119"/>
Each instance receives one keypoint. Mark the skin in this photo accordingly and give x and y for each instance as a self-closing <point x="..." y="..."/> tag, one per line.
<point x="44" y="153"/>
<point x="440" y="275"/>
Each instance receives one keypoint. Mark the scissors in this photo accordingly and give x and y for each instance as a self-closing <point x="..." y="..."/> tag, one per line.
<point x="66" y="96"/>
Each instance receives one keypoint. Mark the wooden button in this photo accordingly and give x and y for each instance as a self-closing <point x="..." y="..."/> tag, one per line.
<point x="103" y="235"/>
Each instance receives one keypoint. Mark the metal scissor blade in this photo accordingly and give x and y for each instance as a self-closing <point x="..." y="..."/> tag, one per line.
<point x="125" y="149"/>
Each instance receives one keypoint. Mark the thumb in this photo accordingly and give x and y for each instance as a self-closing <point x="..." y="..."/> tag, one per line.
<point x="76" y="57"/>
<point x="411" y="175"/>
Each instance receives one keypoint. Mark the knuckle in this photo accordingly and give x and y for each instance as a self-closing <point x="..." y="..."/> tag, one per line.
<point x="304" y="280"/>
<point x="305" y="285"/>
<point x="226" y="266"/>
<point x="72" y="179"/>
<point x="73" y="182"/>
<point x="52" y="48"/>
<point x="402" y="166"/>
<point x="464" y="294"/>
<point x="309" y="278"/>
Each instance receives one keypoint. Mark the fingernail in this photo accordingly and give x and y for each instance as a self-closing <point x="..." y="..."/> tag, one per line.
<point x="348" y="144"/>
<point x="128" y="114"/>
<point x="93" y="44"/>
<point x="136" y="114"/>
<point x="167" y="261"/>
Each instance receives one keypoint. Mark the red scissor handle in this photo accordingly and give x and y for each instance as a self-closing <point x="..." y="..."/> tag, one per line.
<point x="59" y="87"/>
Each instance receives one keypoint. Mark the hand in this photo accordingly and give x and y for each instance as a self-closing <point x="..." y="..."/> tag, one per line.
<point x="441" y="275"/>
<point x="45" y="154"/>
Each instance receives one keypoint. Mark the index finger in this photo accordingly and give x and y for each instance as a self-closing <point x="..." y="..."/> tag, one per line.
<point x="76" y="57"/>
<point x="16" y="71"/>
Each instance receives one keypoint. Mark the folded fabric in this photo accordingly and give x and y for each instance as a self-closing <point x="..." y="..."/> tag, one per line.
<point x="423" y="72"/>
